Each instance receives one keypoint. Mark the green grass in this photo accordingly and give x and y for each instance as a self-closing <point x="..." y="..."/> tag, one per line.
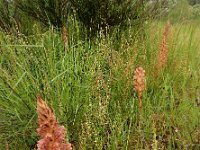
<point x="91" y="89"/>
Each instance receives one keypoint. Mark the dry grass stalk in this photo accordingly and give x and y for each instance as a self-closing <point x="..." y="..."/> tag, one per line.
<point x="65" y="37"/>
<point x="52" y="134"/>
<point x="139" y="84"/>
<point x="163" y="50"/>
<point x="7" y="147"/>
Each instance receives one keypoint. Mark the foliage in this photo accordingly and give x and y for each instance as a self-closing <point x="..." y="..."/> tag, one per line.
<point x="90" y="85"/>
<point x="193" y="2"/>
<point x="196" y="11"/>
<point x="103" y="14"/>
<point x="7" y="11"/>
<point x="48" y="12"/>
<point x="91" y="89"/>
<point x="12" y="20"/>
<point x="160" y="8"/>
<point x="94" y="15"/>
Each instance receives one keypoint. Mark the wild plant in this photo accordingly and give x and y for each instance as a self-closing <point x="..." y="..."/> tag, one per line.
<point x="52" y="134"/>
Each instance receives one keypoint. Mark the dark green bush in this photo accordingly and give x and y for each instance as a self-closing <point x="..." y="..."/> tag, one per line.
<point x="103" y="14"/>
<point x="7" y="12"/>
<point x="12" y="20"/>
<point x="48" y="12"/>
<point x="193" y="2"/>
<point x="93" y="14"/>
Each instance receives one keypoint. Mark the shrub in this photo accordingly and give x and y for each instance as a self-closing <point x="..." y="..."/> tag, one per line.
<point x="193" y="2"/>
<point x="12" y="20"/>
<point x="94" y="15"/>
<point x="48" y="12"/>
<point x="103" y="14"/>
<point x="6" y="14"/>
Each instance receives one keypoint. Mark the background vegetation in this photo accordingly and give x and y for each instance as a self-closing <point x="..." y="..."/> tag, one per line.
<point x="81" y="60"/>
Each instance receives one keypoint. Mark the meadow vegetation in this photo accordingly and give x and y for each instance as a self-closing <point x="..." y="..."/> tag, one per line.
<point x="92" y="86"/>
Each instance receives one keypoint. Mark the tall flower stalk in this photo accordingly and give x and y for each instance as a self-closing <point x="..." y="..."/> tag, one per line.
<point x="64" y="35"/>
<point x="51" y="133"/>
<point x="163" y="50"/>
<point x="139" y="84"/>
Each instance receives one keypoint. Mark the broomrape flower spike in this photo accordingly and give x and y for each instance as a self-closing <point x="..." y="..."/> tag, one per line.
<point x="139" y="83"/>
<point x="163" y="50"/>
<point x="52" y="134"/>
<point x="64" y="35"/>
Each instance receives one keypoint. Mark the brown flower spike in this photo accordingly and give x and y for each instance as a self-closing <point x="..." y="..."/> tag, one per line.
<point x="64" y="35"/>
<point x="163" y="50"/>
<point x="52" y="134"/>
<point x="139" y="83"/>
